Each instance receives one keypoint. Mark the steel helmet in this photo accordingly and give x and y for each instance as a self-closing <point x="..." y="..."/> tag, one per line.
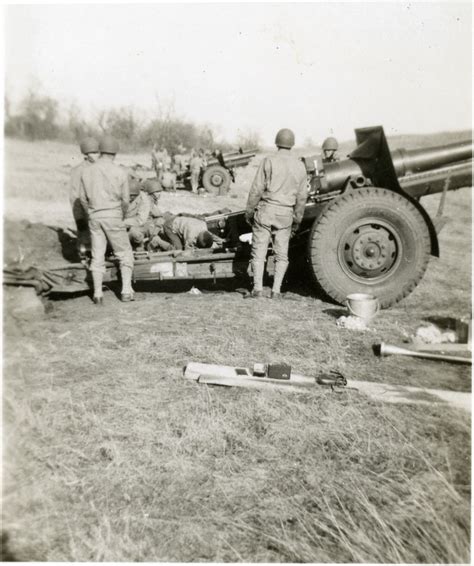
<point x="134" y="188"/>
<point x="152" y="186"/>
<point x="204" y="239"/>
<point x="108" y="144"/>
<point x="330" y="144"/>
<point x="89" y="145"/>
<point x="285" y="138"/>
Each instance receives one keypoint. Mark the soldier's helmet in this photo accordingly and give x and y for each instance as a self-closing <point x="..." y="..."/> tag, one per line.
<point x="330" y="144"/>
<point x="204" y="239"/>
<point x="134" y="188"/>
<point x="89" y="145"/>
<point x="285" y="138"/>
<point x="152" y="186"/>
<point x="108" y="144"/>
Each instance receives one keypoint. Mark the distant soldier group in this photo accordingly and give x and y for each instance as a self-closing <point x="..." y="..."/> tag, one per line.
<point x="115" y="209"/>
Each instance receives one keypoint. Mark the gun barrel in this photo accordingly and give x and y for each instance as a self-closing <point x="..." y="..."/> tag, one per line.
<point x="417" y="160"/>
<point x="413" y="168"/>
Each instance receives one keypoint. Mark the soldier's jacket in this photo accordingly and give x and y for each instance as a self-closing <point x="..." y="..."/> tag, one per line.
<point x="104" y="190"/>
<point x="155" y="211"/>
<point x="196" y="163"/>
<point x="280" y="180"/>
<point x="75" y="188"/>
<point x="138" y="210"/>
<point x="188" y="229"/>
<point x="168" y="181"/>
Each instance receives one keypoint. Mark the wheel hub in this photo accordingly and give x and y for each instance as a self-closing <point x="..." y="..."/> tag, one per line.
<point x="369" y="250"/>
<point x="216" y="180"/>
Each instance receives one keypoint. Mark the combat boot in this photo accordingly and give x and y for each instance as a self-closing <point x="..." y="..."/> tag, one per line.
<point x="99" y="301"/>
<point x="127" y="297"/>
<point x="254" y="294"/>
<point x="277" y="296"/>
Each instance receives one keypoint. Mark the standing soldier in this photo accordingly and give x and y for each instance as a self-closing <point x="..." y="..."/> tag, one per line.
<point x="275" y="209"/>
<point x="330" y="146"/>
<point x="104" y="195"/>
<point x="157" y="161"/>
<point x="90" y="149"/>
<point x="195" y="165"/>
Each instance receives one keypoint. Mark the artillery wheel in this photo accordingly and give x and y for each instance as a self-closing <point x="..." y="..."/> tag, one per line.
<point x="370" y="240"/>
<point x="216" y="179"/>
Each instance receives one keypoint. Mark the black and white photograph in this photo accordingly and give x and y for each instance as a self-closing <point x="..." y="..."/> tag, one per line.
<point x="237" y="294"/>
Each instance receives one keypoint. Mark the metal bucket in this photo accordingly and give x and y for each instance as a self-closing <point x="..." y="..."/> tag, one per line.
<point x="362" y="305"/>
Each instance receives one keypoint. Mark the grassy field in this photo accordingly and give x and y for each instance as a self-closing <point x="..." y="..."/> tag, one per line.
<point x="110" y="455"/>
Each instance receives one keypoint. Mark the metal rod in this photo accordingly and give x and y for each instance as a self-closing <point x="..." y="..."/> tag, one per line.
<point x="387" y="349"/>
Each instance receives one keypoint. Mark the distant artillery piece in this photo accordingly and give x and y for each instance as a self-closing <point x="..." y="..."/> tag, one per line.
<point x="363" y="231"/>
<point x="219" y="171"/>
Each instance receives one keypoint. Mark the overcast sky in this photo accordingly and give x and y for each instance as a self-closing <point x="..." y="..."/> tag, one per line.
<point x="319" y="68"/>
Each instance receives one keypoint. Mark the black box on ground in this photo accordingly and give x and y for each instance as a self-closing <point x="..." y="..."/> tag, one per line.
<point x="279" y="371"/>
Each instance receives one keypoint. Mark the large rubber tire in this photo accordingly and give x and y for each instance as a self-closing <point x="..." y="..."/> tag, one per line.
<point x="369" y="240"/>
<point x="216" y="180"/>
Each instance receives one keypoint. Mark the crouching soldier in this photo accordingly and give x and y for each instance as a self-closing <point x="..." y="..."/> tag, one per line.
<point x="168" y="181"/>
<point x="104" y="194"/>
<point x="90" y="150"/>
<point x="184" y="232"/>
<point x="136" y="216"/>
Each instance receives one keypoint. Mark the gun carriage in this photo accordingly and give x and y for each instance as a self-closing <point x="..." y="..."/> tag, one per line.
<point x="364" y="228"/>
<point x="219" y="171"/>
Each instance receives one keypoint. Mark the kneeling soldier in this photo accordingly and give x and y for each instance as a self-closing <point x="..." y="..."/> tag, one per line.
<point x="187" y="232"/>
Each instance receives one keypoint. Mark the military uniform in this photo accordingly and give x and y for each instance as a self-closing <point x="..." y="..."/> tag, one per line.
<point x="168" y="181"/>
<point x="104" y="194"/>
<point x="195" y="166"/>
<point x="275" y="204"/>
<point x="183" y="231"/>
<point x="78" y="212"/>
<point x="157" y="162"/>
<point x="136" y="218"/>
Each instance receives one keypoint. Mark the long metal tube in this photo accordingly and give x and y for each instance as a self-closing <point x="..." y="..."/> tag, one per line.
<point x="387" y="349"/>
<point x="405" y="162"/>
<point x="418" y="160"/>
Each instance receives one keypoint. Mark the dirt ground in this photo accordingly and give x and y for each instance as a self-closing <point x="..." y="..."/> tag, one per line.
<point x="109" y="454"/>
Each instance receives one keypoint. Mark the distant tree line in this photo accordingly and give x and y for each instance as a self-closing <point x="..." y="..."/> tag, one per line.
<point x="41" y="117"/>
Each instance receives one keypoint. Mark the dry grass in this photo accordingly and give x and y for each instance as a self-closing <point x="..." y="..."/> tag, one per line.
<point x="109" y="455"/>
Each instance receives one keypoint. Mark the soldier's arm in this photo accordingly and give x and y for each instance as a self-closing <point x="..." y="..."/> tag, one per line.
<point x="257" y="188"/>
<point x="143" y="209"/>
<point x="301" y="198"/>
<point x="125" y="193"/>
<point x="83" y="196"/>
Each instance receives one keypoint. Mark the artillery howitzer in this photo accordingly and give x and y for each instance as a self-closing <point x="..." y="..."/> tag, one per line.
<point x="219" y="171"/>
<point x="364" y="229"/>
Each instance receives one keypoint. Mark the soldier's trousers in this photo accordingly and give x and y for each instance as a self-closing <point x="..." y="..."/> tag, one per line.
<point x="195" y="180"/>
<point x="110" y="230"/>
<point x="271" y="223"/>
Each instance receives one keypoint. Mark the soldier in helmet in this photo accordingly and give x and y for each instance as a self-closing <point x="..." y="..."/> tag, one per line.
<point x="136" y="216"/>
<point x="330" y="147"/>
<point x="187" y="232"/>
<point x="90" y="150"/>
<point x="104" y="194"/>
<point x="275" y="209"/>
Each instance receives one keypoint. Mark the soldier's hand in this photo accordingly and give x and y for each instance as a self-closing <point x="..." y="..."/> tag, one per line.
<point x="249" y="217"/>
<point x="294" y="229"/>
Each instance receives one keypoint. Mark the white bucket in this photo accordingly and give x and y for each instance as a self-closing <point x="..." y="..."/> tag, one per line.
<point x="362" y="305"/>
